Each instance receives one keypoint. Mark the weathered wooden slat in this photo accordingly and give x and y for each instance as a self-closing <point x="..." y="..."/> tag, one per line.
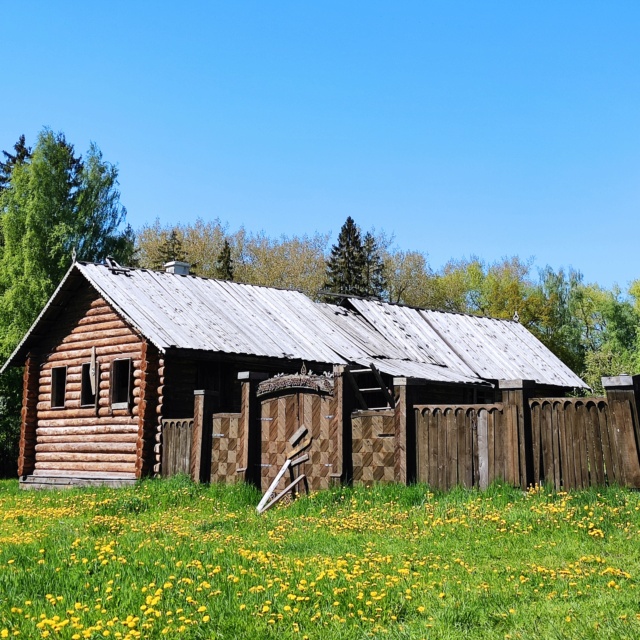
<point x="555" y="444"/>
<point x="483" y="450"/>
<point x="598" y="453"/>
<point x="289" y="487"/>
<point x="293" y="440"/>
<point x="443" y="430"/>
<point x="435" y="420"/>
<point x="609" y="458"/>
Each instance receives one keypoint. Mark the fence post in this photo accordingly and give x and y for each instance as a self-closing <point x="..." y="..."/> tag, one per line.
<point x="517" y="416"/>
<point x="200" y="462"/>
<point x="622" y="395"/>
<point x="405" y="390"/>
<point x="249" y="438"/>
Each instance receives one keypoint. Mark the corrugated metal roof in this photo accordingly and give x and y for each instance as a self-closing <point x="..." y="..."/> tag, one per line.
<point x="187" y="312"/>
<point x="489" y="348"/>
<point x="366" y="343"/>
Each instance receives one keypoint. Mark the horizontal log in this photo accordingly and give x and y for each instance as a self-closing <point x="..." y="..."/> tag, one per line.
<point x="97" y="302"/>
<point x="87" y="466"/>
<point x="72" y="356"/>
<point x="100" y="310"/>
<point x="85" y="457"/>
<point x="88" y="421"/>
<point x="104" y="322"/>
<point x="87" y="447"/>
<point x="66" y="413"/>
<point x="106" y="347"/>
<point x="99" y="340"/>
<point x="88" y="430"/>
<point x="98" y="475"/>
<point x="97" y="331"/>
<point x="94" y="437"/>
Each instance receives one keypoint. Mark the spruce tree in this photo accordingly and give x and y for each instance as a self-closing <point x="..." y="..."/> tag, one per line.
<point x="373" y="272"/>
<point x="21" y="155"/>
<point x="224" y="263"/>
<point x="170" y="250"/>
<point x="345" y="267"/>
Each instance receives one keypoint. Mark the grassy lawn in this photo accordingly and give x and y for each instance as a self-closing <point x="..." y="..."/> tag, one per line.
<point x="169" y="559"/>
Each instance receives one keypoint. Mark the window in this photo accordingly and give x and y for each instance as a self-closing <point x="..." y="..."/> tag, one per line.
<point x="87" y="396"/>
<point x="120" y="383"/>
<point x="58" y="385"/>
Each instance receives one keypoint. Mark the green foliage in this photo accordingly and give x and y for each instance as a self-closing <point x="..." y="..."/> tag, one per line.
<point x="224" y="263"/>
<point x="52" y="203"/>
<point x="356" y="266"/>
<point x="21" y="155"/>
<point x="172" y="559"/>
<point x="374" y="276"/>
<point x="346" y="264"/>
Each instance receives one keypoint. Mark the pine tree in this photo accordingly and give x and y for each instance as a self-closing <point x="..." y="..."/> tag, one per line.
<point x="345" y="266"/>
<point x="21" y="155"/>
<point x="373" y="272"/>
<point x="224" y="263"/>
<point x="170" y="250"/>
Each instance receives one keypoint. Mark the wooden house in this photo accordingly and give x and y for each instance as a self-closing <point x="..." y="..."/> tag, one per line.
<point x="118" y="355"/>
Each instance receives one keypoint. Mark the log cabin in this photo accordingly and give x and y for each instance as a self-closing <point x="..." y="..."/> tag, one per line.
<point x="118" y="351"/>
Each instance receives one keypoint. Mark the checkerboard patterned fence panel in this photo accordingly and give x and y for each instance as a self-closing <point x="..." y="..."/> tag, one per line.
<point x="225" y="450"/>
<point x="373" y="444"/>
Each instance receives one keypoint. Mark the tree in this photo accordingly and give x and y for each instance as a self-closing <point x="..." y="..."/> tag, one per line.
<point x="346" y="264"/>
<point x="21" y="155"/>
<point x="52" y="204"/>
<point x="373" y="272"/>
<point x="170" y="250"/>
<point x="290" y="263"/>
<point x="198" y="243"/>
<point x="224" y="263"/>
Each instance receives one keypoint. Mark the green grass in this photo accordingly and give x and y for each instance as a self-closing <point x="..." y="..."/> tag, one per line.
<point x="170" y="559"/>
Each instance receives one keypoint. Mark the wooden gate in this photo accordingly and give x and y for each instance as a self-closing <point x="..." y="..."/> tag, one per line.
<point x="176" y="446"/>
<point x="282" y="414"/>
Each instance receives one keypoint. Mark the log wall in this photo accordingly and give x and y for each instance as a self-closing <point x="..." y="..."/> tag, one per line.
<point x="95" y="441"/>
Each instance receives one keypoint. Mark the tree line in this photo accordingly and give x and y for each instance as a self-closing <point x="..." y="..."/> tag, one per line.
<point x="56" y="205"/>
<point x="594" y="330"/>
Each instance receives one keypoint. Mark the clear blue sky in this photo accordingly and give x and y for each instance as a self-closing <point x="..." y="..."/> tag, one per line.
<point x="486" y="128"/>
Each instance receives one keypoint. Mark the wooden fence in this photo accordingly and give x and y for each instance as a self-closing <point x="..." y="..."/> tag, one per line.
<point x="176" y="446"/>
<point x="571" y="443"/>
<point x="468" y="445"/>
<point x="583" y="442"/>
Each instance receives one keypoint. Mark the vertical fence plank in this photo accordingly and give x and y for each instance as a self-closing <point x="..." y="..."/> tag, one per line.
<point x="483" y="450"/>
<point x="609" y="458"/>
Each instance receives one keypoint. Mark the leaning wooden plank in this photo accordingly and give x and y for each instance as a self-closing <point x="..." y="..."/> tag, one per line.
<point x="302" y="431"/>
<point x="387" y="394"/>
<point x="273" y="486"/>
<point x="301" y="447"/>
<point x="283" y="493"/>
<point x="300" y="460"/>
